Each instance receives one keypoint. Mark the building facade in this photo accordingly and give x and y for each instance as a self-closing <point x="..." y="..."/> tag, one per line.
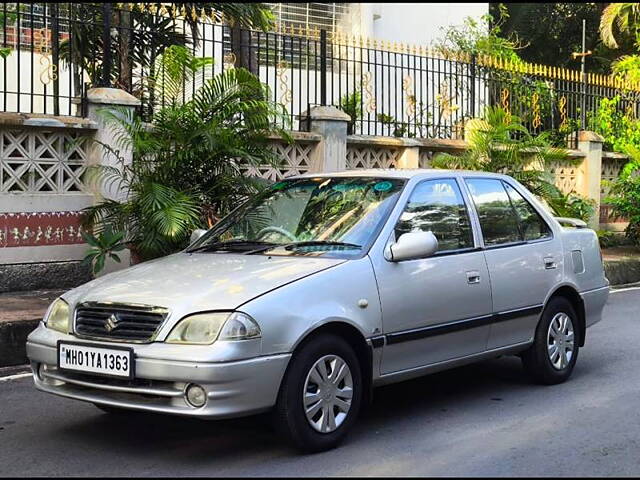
<point x="411" y="23"/>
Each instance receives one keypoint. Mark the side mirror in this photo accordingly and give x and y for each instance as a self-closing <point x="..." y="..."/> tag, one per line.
<point x="196" y="234"/>
<point x="412" y="245"/>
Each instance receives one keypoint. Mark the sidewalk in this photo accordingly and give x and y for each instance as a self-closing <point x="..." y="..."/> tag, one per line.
<point x="20" y="313"/>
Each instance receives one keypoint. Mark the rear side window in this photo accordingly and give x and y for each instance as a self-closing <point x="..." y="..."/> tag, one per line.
<point x="498" y="219"/>
<point x="531" y="223"/>
<point x="437" y="206"/>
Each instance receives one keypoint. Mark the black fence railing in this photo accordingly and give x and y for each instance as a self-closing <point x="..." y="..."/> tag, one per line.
<point x="52" y="52"/>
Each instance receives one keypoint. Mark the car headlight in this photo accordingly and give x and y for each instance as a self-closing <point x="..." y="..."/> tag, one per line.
<point x="206" y="328"/>
<point x="58" y="316"/>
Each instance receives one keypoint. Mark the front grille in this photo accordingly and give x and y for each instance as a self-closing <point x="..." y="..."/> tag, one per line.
<point x="123" y="323"/>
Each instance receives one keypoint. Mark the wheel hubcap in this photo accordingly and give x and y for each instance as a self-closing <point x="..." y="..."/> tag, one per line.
<point x="327" y="395"/>
<point x="560" y="341"/>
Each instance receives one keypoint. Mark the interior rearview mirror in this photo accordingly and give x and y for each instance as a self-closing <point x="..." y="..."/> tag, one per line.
<point x="412" y="245"/>
<point x="196" y="234"/>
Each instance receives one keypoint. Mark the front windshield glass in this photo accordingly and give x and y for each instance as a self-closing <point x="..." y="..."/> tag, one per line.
<point x="309" y="216"/>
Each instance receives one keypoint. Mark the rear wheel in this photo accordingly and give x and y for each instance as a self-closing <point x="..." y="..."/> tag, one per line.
<point x="320" y="395"/>
<point x="553" y="355"/>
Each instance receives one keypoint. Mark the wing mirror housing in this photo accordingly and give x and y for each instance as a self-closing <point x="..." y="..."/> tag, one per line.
<point x="196" y="234"/>
<point x="411" y="246"/>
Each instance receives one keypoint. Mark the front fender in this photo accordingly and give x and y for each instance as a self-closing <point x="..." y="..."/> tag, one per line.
<point x="288" y="314"/>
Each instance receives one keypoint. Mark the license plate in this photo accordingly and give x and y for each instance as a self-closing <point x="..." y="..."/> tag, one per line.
<point x="111" y="361"/>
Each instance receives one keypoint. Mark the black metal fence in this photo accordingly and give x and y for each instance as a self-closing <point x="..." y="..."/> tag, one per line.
<point x="52" y="52"/>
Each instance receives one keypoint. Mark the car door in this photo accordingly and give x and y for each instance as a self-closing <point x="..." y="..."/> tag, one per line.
<point x="436" y="308"/>
<point x="523" y="257"/>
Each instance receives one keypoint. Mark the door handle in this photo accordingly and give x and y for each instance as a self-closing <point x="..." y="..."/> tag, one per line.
<point x="549" y="263"/>
<point x="473" y="277"/>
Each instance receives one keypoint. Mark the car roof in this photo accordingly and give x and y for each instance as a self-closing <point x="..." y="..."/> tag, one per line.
<point x="405" y="173"/>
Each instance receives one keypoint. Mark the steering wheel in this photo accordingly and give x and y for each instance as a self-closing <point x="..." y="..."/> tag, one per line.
<point x="279" y="230"/>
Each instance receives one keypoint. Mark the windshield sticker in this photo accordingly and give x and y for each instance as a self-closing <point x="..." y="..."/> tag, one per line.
<point x="383" y="186"/>
<point x="345" y="187"/>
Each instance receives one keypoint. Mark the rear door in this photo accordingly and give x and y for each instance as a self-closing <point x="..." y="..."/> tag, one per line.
<point x="523" y="257"/>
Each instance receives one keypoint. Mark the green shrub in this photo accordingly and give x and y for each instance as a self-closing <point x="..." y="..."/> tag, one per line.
<point x="103" y="245"/>
<point x="351" y="104"/>
<point x="625" y="201"/>
<point x="572" y="205"/>
<point x="609" y="239"/>
<point x="624" y="195"/>
<point x="618" y="129"/>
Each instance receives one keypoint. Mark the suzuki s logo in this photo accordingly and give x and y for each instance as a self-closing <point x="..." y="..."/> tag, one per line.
<point x="112" y="322"/>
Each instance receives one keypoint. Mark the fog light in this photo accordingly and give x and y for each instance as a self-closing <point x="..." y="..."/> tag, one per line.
<point x="196" y="395"/>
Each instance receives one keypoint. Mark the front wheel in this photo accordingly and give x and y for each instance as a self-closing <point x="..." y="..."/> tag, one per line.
<point x="551" y="358"/>
<point x="320" y="395"/>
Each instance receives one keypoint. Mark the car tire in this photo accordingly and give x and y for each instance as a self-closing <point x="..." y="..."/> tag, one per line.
<point x="313" y="379"/>
<point x="553" y="355"/>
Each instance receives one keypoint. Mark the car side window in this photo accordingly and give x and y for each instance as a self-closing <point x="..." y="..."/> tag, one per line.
<point x="438" y="206"/>
<point x="532" y="224"/>
<point x="498" y="219"/>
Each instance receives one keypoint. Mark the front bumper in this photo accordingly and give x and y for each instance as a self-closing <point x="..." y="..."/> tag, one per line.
<point x="235" y="388"/>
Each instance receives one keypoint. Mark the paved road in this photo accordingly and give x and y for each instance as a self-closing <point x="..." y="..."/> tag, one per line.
<point x="482" y="420"/>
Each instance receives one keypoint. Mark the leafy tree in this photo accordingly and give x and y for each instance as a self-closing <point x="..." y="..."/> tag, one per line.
<point x="551" y="32"/>
<point x="483" y="36"/>
<point x="188" y="165"/>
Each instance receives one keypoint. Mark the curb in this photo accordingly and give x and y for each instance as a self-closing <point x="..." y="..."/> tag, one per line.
<point x="622" y="271"/>
<point x="13" y="339"/>
<point x="14" y="370"/>
<point x="624" y="286"/>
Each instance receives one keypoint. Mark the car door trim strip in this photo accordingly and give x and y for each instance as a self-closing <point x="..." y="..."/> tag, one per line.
<point x="459" y="325"/>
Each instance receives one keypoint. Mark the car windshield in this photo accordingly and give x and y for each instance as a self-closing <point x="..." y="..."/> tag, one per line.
<point x="309" y="216"/>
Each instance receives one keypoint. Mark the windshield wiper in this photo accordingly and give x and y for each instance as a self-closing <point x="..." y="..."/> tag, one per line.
<point x="310" y="243"/>
<point x="230" y="244"/>
<point x="320" y="243"/>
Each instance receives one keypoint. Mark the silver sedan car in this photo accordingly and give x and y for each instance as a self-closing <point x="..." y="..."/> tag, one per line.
<point x="322" y="287"/>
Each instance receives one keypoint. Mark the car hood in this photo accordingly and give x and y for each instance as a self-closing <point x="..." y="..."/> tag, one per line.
<point x="185" y="282"/>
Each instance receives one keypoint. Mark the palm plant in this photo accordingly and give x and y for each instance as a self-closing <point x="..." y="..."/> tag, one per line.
<point x="188" y="165"/>
<point x="502" y="144"/>
<point x="624" y="16"/>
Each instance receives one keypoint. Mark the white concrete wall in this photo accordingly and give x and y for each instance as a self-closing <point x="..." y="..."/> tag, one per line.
<point x="413" y="23"/>
<point x="27" y="73"/>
